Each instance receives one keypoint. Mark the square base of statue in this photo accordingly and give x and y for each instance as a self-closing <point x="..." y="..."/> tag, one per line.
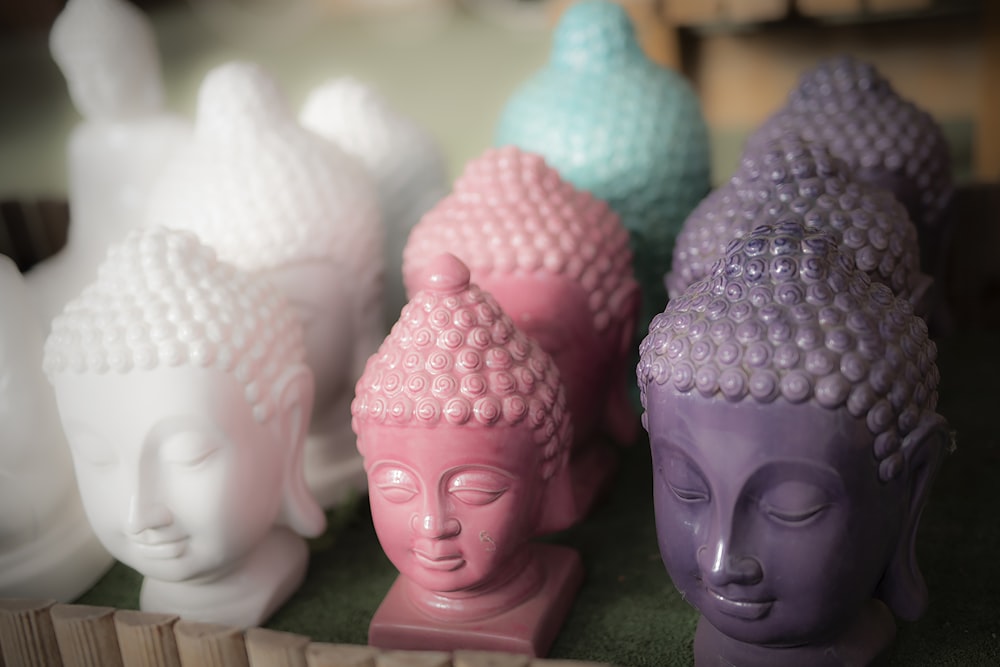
<point x="530" y="628"/>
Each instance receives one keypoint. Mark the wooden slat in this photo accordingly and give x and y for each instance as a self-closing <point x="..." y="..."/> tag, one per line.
<point x="692" y="12"/>
<point x="270" y="648"/>
<point x="987" y="147"/>
<point x="210" y="645"/>
<point x="340" y="655"/>
<point x="86" y="636"/>
<point x="755" y="11"/>
<point x="26" y="633"/>
<point x="829" y="7"/>
<point x="413" y="659"/>
<point x="489" y="659"/>
<point x="897" y="5"/>
<point x="147" y="640"/>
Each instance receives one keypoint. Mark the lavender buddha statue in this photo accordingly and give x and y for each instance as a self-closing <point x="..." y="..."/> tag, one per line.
<point x="849" y="107"/>
<point x="185" y="399"/>
<point x="790" y="403"/>
<point x="616" y="124"/>
<point x="404" y="159"/>
<point x="47" y="549"/>
<point x="557" y="260"/>
<point x="462" y="423"/>
<point x="790" y="179"/>
<point x="107" y="51"/>
<point x="284" y="204"/>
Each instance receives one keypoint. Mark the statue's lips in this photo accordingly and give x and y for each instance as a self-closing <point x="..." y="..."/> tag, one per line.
<point x="749" y="610"/>
<point x="446" y="563"/>
<point x="159" y="550"/>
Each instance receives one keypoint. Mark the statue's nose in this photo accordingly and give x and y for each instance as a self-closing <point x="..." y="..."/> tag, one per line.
<point x="721" y="564"/>
<point x="435" y="525"/>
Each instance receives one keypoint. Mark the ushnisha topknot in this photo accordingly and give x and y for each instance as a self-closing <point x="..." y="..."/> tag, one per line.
<point x="785" y="315"/>
<point x="261" y="189"/>
<point x="454" y="357"/>
<point x="162" y="299"/>
<point x="789" y="179"/>
<point x="510" y="212"/>
<point x="848" y="106"/>
<point x="111" y="42"/>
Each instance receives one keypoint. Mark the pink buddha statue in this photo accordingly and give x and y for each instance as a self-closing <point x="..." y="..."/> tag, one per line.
<point x="462" y="423"/>
<point x="791" y="407"/>
<point x="558" y="262"/>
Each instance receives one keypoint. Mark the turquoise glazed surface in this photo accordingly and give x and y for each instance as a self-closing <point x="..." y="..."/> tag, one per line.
<point x="616" y="124"/>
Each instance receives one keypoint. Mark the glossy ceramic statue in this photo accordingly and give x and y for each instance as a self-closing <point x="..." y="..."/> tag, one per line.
<point x="557" y="260"/>
<point x="849" y="107"/>
<point x="106" y="49"/>
<point x="790" y="404"/>
<point x="282" y="203"/>
<point x="789" y="179"/>
<point x="184" y="397"/>
<point x="462" y="423"/>
<point x="47" y="549"/>
<point x="405" y="160"/>
<point x="616" y="124"/>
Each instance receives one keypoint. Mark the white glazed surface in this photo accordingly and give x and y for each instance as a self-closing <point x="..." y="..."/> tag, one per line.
<point x="107" y="52"/>
<point x="185" y="401"/>
<point x="279" y="201"/>
<point x="405" y="160"/>
<point x="47" y="549"/>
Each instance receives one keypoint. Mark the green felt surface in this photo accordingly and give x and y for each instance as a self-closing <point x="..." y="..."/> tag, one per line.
<point x="628" y="613"/>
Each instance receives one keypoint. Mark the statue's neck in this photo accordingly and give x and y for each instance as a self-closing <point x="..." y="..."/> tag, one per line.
<point x="521" y="579"/>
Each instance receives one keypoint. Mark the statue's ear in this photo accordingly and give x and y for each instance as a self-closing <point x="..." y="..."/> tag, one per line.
<point x="293" y="394"/>
<point x="902" y="587"/>
<point x="620" y="420"/>
<point x="558" y="510"/>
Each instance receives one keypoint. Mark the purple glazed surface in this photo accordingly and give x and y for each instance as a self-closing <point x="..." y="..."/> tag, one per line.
<point x="790" y="179"/>
<point x="849" y="107"/>
<point x="790" y="403"/>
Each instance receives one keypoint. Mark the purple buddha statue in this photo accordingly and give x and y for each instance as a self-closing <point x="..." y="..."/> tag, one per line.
<point x="849" y="107"/>
<point x="790" y="179"/>
<point x="790" y="403"/>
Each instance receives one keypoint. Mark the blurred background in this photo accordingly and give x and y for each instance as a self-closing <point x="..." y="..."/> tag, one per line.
<point x="451" y="64"/>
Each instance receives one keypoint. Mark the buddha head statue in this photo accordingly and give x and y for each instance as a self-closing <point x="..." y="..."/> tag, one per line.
<point x="462" y="424"/>
<point x="790" y="404"/>
<point x="107" y="51"/>
<point x="558" y="262"/>
<point x="47" y="550"/>
<point x="616" y="124"/>
<point x="789" y="179"/>
<point x="405" y="161"/>
<point x="277" y="201"/>
<point x="847" y="105"/>
<point x="184" y="396"/>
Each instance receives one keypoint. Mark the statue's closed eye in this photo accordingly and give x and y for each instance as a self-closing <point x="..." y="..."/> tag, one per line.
<point x="478" y="486"/>
<point x="89" y="449"/>
<point x="794" y="502"/>
<point x="189" y="449"/>
<point x="395" y="484"/>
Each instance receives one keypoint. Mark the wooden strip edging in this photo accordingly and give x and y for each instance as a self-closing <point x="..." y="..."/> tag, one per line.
<point x="41" y="633"/>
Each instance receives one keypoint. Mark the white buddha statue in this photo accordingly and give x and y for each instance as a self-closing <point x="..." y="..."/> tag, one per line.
<point x="280" y="202"/>
<point x="406" y="162"/>
<point x="185" y="399"/>
<point x="107" y="51"/>
<point x="47" y="549"/>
